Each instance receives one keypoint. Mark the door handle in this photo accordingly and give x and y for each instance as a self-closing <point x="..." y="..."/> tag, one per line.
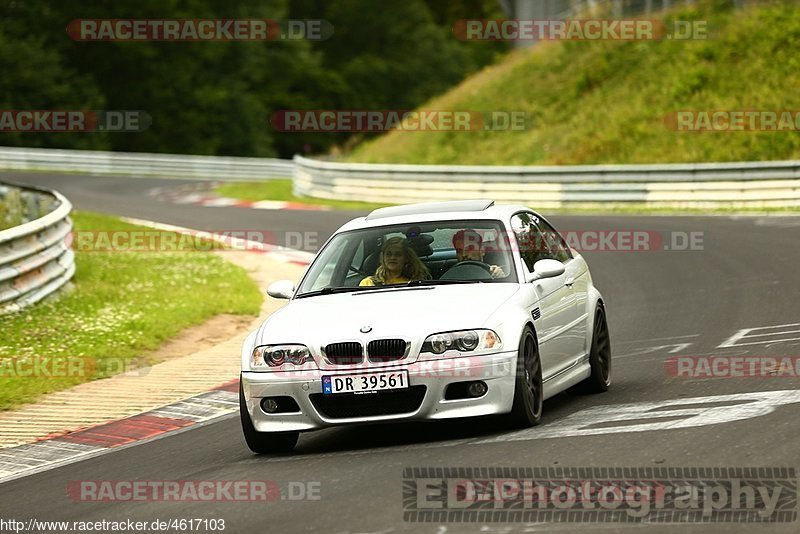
<point x="569" y="282"/>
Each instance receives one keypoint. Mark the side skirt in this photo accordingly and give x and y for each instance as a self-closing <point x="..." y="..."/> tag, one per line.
<point x="555" y="384"/>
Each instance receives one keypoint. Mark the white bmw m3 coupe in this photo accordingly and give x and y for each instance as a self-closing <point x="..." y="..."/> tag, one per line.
<point x="421" y="312"/>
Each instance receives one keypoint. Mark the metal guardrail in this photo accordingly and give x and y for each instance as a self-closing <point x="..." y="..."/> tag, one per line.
<point x="704" y="185"/>
<point x="143" y="164"/>
<point x="35" y="257"/>
<point x="564" y="9"/>
<point x="701" y="185"/>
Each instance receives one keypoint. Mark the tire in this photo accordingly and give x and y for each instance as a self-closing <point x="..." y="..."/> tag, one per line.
<point x="528" y="386"/>
<point x="264" y="442"/>
<point x="599" y="357"/>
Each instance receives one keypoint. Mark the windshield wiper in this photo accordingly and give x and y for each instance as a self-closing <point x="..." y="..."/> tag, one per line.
<point x="413" y="283"/>
<point x="332" y="290"/>
<point x="441" y="282"/>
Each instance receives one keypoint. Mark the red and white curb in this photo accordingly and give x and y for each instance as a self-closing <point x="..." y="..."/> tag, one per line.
<point x="273" y="252"/>
<point x="53" y="451"/>
<point x="202" y="195"/>
<point x="70" y="447"/>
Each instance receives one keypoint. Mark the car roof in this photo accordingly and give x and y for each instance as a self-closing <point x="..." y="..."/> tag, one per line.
<point x="430" y="207"/>
<point x="435" y="211"/>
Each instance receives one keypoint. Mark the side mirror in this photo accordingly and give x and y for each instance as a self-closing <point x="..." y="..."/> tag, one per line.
<point x="545" y="269"/>
<point x="282" y="289"/>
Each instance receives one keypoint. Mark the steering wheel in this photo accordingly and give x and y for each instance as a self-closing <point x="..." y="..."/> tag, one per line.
<point x="485" y="266"/>
<point x="468" y="270"/>
<point x="506" y="268"/>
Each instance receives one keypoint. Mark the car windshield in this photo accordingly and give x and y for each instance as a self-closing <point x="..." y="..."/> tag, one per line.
<point x="430" y="253"/>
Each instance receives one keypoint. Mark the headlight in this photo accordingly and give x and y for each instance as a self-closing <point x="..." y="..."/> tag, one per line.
<point x="469" y="341"/>
<point x="438" y="343"/>
<point x="462" y="341"/>
<point x="268" y="356"/>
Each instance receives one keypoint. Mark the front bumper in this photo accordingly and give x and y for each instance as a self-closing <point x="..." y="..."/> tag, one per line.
<point x="496" y="370"/>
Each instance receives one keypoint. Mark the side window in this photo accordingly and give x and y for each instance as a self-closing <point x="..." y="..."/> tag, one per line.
<point x="537" y="240"/>
<point x="528" y="239"/>
<point x="556" y="244"/>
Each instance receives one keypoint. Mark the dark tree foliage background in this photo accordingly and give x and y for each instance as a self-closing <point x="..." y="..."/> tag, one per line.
<point x="217" y="97"/>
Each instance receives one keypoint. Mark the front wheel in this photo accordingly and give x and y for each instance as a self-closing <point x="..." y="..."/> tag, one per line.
<point x="264" y="442"/>
<point x="528" y="387"/>
<point x="599" y="357"/>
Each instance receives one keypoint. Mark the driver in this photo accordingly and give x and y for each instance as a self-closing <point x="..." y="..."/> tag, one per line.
<point x="469" y="247"/>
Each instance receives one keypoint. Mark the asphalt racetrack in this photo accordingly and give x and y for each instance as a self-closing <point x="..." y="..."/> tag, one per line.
<point x="736" y="295"/>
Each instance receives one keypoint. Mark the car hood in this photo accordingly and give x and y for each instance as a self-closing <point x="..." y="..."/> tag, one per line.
<point x="408" y="313"/>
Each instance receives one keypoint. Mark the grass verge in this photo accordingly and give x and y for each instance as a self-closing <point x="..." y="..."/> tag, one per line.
<point x="10" y="207"/>
<point x="597" y="102"/>
<point x="121" y="305"/>
<point x="281" y="189"/>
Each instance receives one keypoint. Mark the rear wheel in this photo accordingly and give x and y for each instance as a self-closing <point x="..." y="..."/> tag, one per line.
<point x="599" y="357"/>
<point x="528" y="387"/>
<point x="264" y="442"/>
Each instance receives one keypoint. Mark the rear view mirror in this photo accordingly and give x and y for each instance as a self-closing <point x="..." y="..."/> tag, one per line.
<point x="545" y="269"/>
<point x="282" y="289"/>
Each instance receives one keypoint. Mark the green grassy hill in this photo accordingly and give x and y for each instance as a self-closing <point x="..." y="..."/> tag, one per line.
<point x="605" y="102"/>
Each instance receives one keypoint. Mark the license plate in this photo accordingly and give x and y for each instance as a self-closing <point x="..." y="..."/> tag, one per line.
<point x="364" y="383"/>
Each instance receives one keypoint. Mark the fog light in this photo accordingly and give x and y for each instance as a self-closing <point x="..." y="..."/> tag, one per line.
<point x="477" y="389"/>
<point x="269" y="405"/>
